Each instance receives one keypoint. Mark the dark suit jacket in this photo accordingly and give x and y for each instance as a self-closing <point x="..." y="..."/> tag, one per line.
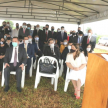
<point x="39" y="33"/>
<point x="3" y="32"/>
<point x="22" y="56"/>
<point x="92" y="42"/>
<point x="30" y="49"/>
<point x="54" y="35"/>
<point x="35" y="47"/>
<point x="47" y="52"/>
<point x="27" y="32"/>
<point x="8" y="45"/>
<point x="60" y="39"/>
<point x="73" y="39"/>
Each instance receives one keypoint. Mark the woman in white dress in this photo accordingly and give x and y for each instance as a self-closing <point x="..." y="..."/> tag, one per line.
<point x="77" y="64"/>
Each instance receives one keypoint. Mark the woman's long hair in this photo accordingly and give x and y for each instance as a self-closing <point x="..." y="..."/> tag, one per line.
<point x="78" y="50"/>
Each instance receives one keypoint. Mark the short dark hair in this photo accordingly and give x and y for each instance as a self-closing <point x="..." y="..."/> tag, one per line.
<point x="62" y="27"/>
<point x="80" y="32"/>
<point x="47" y="25"/>
<point x="15" y="38"/>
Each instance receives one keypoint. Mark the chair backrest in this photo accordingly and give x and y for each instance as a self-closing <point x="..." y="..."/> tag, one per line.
<point x="52" y="59"/>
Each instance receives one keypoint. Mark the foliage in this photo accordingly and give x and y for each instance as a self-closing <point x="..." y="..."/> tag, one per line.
<point x="87" y="29"/>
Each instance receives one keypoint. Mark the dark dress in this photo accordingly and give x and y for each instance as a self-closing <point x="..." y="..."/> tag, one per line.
<point x="2" y="52"/>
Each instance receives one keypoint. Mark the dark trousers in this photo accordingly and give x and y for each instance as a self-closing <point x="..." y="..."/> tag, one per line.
<point x="28" y="65"/>
<point x="1" y="64"/>
<point x="18" y="71"/>
<point x="65" y="70"/>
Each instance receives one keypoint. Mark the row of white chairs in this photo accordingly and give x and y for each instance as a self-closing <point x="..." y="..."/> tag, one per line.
<point x="54" y="77"/>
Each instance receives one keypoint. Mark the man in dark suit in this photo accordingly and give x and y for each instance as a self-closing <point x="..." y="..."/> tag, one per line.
<point x="52" y="50"/>
<point x="61" y="36"/>
<point x="73" y="38"/>
<point x="15" y="59"/>
<point x="24" y="31"/>
<point x="45" y="34"/>
<point x="30" y="53"/>
<point x="5" y="29"/>
<point x="38" y="31"/>
<point x="53" y="33"/>
<point x="89" y="39"/>
<point x="64" y="55"/>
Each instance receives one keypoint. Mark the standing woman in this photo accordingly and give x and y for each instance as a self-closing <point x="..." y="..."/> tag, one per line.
<point x="77" y="64"/>
<point x="2" y="54"/>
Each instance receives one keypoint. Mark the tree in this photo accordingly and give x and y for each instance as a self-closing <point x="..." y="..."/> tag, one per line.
<point x="11" y="23"/>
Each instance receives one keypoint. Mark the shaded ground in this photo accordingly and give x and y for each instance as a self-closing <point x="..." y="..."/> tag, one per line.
<point x="43" y="97"/>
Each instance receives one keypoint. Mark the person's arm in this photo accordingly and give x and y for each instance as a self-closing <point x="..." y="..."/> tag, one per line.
<point x="6" y="58"/>
<point x="69" y="65"/>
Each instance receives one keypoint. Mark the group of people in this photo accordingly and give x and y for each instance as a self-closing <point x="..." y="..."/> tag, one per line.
<point x="18" y="46"/>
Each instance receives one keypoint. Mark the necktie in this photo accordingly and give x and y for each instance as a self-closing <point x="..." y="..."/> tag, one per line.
<point x="15" y="57"/>
<point x="24" y="31"/>
<point x="46" y="35"/>
<point x="26" y="47"/>
<point x="88" y="40"/>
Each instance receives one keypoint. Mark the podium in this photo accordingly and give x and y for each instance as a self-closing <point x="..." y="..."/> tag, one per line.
<point x="96" y="84"/>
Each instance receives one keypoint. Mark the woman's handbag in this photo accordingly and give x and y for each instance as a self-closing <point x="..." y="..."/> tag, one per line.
<point x="47" y="66"/>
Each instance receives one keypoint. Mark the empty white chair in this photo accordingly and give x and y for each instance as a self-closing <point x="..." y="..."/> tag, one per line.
<point x="66" y="81"/>
<point x="61" y="68"/>
<point x="31" y="68"/>
<point x="14" y="73"/>
<point x="54" y="77"/>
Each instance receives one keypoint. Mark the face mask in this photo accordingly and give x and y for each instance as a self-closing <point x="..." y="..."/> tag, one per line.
<point x="88" y="49"/>
<point x="37" y="28"/>
<point x="8" y="38"/>
<point x="5" y="37"/>
<point x="70" y="32"/>
<point x="74" y="33"/>
<point x="52" y="45"/>
<point x="4" y="25"/>
<point x="17" y="27"/>
<point x="26" y="41"/>
<point x="8" y="24"/>
<point x="69" y="47"/>
<point x="14" y="44"/>
<point x="1" y="43"/>
<point x="52" y="29"/>
<point x="46" y="28"/>
<point x="65" y="43"/>
<point x="28" y="28"/>
<point x="58" y="30"/>
<point x="89" y="34"/>
<point x="36" y="38"/>
<point x="72" y="51"/>
<point x="79" y="30"/>
<point x="24" y="26"/>
<point x="30" y="39"/>
<point x="62" y="30"/>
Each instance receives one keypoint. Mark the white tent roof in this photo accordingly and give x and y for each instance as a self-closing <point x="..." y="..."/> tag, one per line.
<point x="59" y="11"/>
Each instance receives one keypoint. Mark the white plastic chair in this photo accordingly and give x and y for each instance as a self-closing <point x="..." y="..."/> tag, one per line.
<point x="61" y="68"/>
<point x="14" y="73"/>
<point x="31" y="68"/>
<point x="35" y="63"/>
<point x="66" y="81"/>
<point x="54" y="77"/>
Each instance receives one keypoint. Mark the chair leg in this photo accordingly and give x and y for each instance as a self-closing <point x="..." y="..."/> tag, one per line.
<point x="3" y="79"/>
<point x="52" y="81"/>
<point x="35" y="64"/>
<point x="66" y="85"/>
<point x="36" y="81"/>
<point x="55" y="84"/>
<point x="30" y="71"/>
<point x="23" y="79"/>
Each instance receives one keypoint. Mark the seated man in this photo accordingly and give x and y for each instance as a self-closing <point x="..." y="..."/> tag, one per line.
<point x="8" y="40"/>
<point x="29" y="51"/>
<point x="52" y="50"/>
<point x="15" y="59"/>
<point x="39" y="45"/>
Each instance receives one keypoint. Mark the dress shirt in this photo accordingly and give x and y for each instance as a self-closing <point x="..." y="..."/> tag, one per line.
<point x="13" y="55"/>
<point x="15" y="33"/>
<point x="46" y="31"/>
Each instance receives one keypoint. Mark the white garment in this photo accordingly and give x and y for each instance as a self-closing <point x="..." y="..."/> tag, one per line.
<point x="13" y="55"/>
<point x="75" y="75"/>
<point x="15" y="33"/>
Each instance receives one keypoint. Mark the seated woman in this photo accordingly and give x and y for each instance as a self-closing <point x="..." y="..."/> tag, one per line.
<point x="77" y="64"/>
<point x="62" y="47"/>
<point x="2" y="54"/>
<point x="88" y="50"/>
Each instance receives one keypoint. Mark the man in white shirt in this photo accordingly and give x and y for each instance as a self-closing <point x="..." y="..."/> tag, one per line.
<point x="15" y="59"/>
<point x="15" y="31"/>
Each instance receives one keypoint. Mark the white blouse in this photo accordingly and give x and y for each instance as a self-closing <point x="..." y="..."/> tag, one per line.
<point x="78" y="61"/>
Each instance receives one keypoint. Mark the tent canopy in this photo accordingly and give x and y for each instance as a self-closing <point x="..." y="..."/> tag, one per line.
<point x="59" y="11"/>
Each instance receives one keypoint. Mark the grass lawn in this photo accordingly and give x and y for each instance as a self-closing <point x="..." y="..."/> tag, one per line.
<point x="42" y="97"/>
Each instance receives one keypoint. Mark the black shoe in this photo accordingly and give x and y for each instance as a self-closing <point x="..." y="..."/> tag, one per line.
<point x="19" y="89"/>
<point x="6" y="88"/>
